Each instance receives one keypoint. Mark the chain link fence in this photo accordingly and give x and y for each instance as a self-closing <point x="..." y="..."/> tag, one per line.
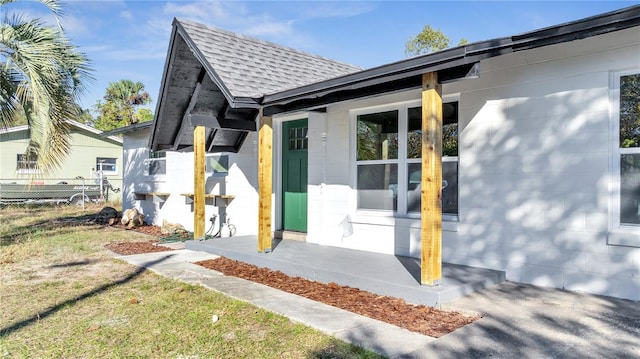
<point x="78" y="190"/>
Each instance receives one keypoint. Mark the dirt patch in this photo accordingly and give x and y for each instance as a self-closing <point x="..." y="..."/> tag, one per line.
<point x="416" y="318"/>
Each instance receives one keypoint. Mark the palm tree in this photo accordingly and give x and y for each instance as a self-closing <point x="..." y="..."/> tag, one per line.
<point x="41" y="76"/>
<point x="129" y="92"/>
<point x="119" y="110"/>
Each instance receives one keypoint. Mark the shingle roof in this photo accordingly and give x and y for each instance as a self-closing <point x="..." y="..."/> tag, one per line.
<point x="252" y="68"/>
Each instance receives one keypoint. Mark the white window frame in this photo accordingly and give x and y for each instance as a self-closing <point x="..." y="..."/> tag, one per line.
<point x="402" y="161"/>
<point x="619" y="234"/>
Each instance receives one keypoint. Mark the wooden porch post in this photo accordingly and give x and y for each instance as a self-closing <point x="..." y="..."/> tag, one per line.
<point x="265" y="173"/>
<point x="431" y="209"/>
<point x="198" y="182"/>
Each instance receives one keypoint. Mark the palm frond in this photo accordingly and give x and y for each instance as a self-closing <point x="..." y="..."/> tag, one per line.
<point x="42" y="76"/>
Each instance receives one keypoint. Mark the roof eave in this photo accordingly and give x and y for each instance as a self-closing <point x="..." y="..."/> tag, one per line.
<point x="466" y="54"/>
<point x="163" y="91"/>
<point x="436" y="61"/>
<point x="130" y="128"/>
<point x="575" y="30"/>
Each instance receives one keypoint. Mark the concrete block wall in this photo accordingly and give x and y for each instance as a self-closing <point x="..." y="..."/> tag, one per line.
<point x="534" y="167"/>
<point x="534" y="174"/>
<point x="241" y="182"/>
<point x="534" y="159"/>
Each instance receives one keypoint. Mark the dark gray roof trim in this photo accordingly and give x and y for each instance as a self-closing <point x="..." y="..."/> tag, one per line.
<point x="579" y="29"/>
<point x="405" y="74"/>
<point x="130" y="128"/>
<point x="162" y="96"/>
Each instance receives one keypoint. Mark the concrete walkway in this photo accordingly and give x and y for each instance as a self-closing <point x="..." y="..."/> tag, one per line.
<point x="518" y="320"/>
<point x="381" y="274"/>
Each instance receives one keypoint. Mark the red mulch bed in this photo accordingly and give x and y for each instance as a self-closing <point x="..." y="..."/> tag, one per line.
<point x="416" y="318"/>
<point x="128" y="248"/>
<point x="125" y="248"/>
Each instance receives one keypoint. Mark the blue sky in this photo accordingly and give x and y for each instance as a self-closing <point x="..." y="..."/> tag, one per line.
<point x="129" y="39"/>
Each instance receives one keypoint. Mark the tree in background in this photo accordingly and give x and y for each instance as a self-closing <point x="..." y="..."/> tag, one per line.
<point x="41" y="76"/>
<point x="85" y="116"/>
<point x="428" y="41"/>
<point x="630" y="111"/>
<point x="120" y="106"/>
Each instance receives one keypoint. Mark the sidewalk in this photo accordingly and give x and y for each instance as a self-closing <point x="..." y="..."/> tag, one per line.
<point x="519" y="321"/>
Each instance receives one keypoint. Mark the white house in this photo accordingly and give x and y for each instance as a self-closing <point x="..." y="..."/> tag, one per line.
<point x="540" y="165"/>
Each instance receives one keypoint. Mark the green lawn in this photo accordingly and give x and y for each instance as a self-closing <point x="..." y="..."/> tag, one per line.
<point x="62" y="295"/>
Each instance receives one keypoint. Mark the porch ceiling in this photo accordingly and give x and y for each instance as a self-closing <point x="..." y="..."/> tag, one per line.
<point x="189" y="98"/>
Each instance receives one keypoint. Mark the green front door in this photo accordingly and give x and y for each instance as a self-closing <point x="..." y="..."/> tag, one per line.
<point x="294" y="175"/>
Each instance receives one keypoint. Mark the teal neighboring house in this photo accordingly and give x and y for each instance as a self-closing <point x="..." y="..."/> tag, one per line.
<point x="89" y="151"/>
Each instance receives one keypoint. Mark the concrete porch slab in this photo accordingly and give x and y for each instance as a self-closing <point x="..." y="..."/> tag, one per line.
<point x="381" y="274"/>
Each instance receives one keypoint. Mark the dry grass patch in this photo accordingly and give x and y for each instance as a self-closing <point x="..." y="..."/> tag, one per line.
<point x="63" y="295"/>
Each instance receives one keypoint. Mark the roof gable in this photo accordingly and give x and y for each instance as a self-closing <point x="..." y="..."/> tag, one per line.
<point x="217" y="79"/>
<point x="249" y="67"/>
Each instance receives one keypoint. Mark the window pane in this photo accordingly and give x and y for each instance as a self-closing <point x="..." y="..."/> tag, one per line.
<point x="450" y="139"/>
<point x="378" y="136"/>
<point x="449" y="130"/>
<point x="630" y="189"/>
<point x="449" y="184"/>
<point x="157" y="154"/>
<point x="414" y="195"/>
<point x="414" y="135"/>
<point x="26" y="163"/>
<point x="378" y="186"/>
<point x="450" y="190"/>
<point x="630" y="111"/>
<point x="157" y="167"/>
<point x="108" y="164"/>
<point x="217" y="164"/>
<point x="298" y="138"/>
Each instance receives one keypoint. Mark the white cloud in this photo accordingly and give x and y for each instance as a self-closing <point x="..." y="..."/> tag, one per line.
<point x="244" y="18"/>
<point x="538" y="20"/>
<point x="97" y="48"/>
<point x="270" y="28"/>
<point x="202" y="11"/>
<point x="126" y="14"/>
<point x="137" y="54"/>
<point x="336" y="9"/>
<point x="74" y="26"/>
